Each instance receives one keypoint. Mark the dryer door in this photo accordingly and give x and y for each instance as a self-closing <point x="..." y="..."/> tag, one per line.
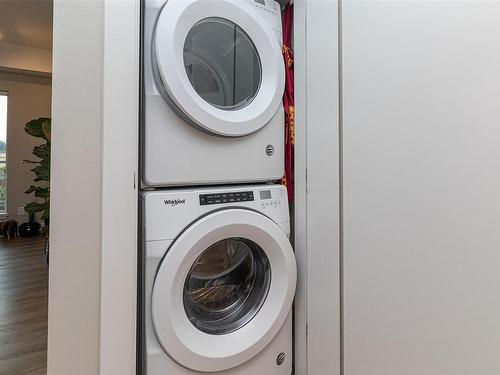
<point x="223" y="290"/>
<point x="219" y="63"/>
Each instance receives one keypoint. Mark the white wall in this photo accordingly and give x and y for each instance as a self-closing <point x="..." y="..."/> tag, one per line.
<point x="421" y="187"/>
<point x="28" y="98"/>
<point x="93" y="270"/>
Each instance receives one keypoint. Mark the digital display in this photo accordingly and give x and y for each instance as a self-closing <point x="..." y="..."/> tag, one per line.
<point x="265" y="194"/>
<point x="261" y="2"/>
<point x="240" y="196"/>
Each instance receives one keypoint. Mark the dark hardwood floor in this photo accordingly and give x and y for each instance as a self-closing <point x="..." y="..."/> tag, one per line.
<point x="23" y="306"/>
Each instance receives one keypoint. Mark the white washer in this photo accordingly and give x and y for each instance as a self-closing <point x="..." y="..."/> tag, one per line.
<point x="219" y="281"/>
<point x="213" y="86"/>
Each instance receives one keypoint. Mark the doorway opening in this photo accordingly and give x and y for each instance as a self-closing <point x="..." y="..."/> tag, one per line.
<point x="25" y="111"/>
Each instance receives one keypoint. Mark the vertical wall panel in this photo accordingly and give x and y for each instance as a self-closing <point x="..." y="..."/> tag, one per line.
<point x="93" y="261"/>
<point x="317" y="188"/>
<point x="421" y="88"/>
<point x="300" y="188"/>
<point x="75" y="223"/>
<point x="119" y="191"/>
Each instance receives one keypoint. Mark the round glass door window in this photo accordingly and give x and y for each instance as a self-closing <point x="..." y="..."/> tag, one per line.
<point x="226" y="286"/>
<point x="222" y="63"/>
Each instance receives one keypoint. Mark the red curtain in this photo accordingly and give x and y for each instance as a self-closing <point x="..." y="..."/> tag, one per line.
<point x="288" y="99"/>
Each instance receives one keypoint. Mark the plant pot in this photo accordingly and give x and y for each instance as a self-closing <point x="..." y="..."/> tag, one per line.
<point x="29" y="229"/>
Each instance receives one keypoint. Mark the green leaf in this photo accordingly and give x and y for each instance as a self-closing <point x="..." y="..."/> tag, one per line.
<point x="45" y="214"/>
<point x="42" y="173"/>
<point x="46" y="125"/>
<point x="33" y="207"/>
<point x="42" y="151"/>
<point x="45" y="163"/>
<point x="35" y="127"/>
<point x="42" y="192"/>
<point x="31" y="189"/>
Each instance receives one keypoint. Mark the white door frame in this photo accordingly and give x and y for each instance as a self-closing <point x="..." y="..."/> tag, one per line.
<point x="121" y="61"/>
<point x="93" y="254"/>
<point x="317" y="188"/>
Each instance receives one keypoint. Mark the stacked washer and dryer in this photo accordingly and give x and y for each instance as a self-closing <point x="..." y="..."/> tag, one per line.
<point x="218" y="270"/>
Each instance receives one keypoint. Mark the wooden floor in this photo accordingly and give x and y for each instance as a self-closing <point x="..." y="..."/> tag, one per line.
<point x="23" y="306"/>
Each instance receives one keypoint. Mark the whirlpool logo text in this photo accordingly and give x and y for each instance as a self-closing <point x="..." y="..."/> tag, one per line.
<point x="174" y="202"/>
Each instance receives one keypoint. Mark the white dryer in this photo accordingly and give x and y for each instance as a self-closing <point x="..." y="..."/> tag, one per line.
<point x="213" y="85"/>
<point x="219" y="281"/>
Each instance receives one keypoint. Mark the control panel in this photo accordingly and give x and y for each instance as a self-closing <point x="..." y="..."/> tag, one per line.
<point x="265" y="199"/>
<point x="218" y="198"/>
<point x="271" y="11"/>
<point x="270" y="200"/>
<point x="268" y="5"/>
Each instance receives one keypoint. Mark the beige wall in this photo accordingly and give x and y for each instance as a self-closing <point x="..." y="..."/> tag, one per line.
<point x="29" y="98"/>
<point x="13" y="56"/>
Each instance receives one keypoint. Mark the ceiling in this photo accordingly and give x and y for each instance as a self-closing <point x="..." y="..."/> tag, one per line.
<point x="26" y="22"/>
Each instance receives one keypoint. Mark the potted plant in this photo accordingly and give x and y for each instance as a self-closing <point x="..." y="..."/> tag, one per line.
<point x="40" y="128"/>
<point x="29" y="229"/>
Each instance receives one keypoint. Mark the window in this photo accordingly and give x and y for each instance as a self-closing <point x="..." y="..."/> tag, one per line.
<point x="3" y="154"/>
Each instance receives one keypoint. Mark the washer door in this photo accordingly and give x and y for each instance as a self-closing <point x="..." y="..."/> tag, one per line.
<point x="219" y="65"/>
<point x="223" y="290"/>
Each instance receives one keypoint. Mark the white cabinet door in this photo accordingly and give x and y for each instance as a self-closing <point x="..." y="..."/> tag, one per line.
<point x="421" y="179"/>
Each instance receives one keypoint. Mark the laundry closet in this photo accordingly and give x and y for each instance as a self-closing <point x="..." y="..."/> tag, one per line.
<point x="218" y="271"/>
